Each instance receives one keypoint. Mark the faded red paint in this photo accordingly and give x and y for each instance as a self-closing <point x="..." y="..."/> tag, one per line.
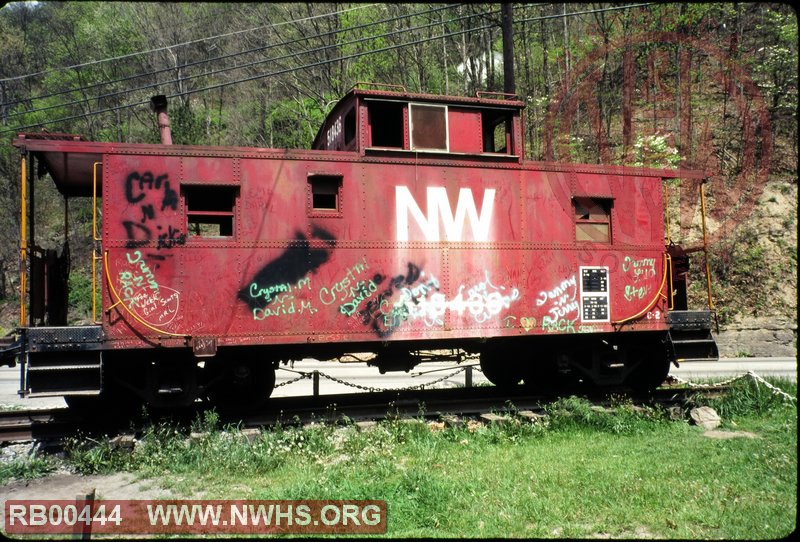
<point x="490" y="247"/>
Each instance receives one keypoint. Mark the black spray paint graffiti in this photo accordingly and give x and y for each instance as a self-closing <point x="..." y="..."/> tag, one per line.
<point x="138" y="186"/>
<point x="288" y="268"/>
<point x="375" y="309"/>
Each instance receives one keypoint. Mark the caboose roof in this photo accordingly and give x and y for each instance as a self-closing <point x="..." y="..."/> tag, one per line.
<point x="71" y="160"/>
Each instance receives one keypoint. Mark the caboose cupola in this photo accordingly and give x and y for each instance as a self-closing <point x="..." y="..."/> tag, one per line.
<point x="396" y="122"/>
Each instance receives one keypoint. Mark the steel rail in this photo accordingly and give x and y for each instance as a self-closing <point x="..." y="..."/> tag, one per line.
<point x="436" y="404"/>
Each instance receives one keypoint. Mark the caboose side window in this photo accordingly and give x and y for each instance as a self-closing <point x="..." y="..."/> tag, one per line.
<point x="325" y="193"/>
<point x="428" y="127"/>
<point x="210" y="210"/>
<point x="592" y="219"/>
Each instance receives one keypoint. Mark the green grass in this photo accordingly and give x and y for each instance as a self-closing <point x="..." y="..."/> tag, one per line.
<point x="26" y="468"/>
<point x="584" y="472"/>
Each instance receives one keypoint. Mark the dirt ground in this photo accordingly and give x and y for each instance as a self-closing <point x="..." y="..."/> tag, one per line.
<point x="69" y="486"/>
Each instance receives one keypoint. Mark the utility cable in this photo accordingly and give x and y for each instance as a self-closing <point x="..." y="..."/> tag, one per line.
<point x="199" y="40"/>
<point x="279" y="72"/>
<point x="192" y="64"/>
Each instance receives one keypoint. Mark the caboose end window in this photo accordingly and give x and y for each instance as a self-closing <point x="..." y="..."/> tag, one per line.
<point x="210" y="210"/>
<point x="592" y="219"/>
<point x="497" y="130"/>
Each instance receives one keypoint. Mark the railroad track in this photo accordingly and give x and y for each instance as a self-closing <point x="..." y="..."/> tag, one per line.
<point x="36" y="424"/>
<point x="59" y="423"/>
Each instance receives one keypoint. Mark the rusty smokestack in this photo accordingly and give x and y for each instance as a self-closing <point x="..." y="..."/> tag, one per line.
<point x="159" y="105"/>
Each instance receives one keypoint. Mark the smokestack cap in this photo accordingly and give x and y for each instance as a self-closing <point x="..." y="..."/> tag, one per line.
<point x="158" y="102"/>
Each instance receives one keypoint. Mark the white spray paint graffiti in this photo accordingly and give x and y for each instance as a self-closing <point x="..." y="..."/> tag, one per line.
<point x="481" y="301"/>
<point x="562" y="297"/>
<point x="439" y="207"/>
<point x="563" y="301"/>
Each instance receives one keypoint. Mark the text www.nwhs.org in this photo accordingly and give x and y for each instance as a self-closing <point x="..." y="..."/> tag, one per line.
<point x="266" y="515"/>
<point x="184" y="516"/>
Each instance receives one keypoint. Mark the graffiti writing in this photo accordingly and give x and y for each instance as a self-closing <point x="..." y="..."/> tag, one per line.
<point x="482" y="301"/>
<point x="266" y="292"/>
<point x="559" y="325"/>
<point x="154" y="195"/>
<point x="413" y="304"/>
<point x="635" y="292"/>
<point x="288" y="271"/>
<point x="528" y="322"/>
<point x="373" y="312"/>
<point x="283" y="305"/>
<point x="140" y="291"/>
<point x="640" y="269"/>
<point x="361" y="291"/>
<point x="345" y="288"/>
<point x="562" y="298"/>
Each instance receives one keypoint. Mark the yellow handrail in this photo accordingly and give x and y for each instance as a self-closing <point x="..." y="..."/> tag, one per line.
<point x="95" y="257"/>
<point x="666" y="210"/>
<point x="23" y="240"/>
<point x="705" y="245"/>
<point x="133" y="314"/>
<point x="659" y="293"/>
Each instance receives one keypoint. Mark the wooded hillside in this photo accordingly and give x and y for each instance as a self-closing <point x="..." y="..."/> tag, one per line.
<point x="700" y="85"/>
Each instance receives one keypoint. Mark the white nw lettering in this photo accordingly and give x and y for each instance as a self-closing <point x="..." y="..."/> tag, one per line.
<point x="439" y="206"/>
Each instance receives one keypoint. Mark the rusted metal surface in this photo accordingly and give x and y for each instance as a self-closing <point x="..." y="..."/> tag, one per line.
<point x="158" y="104"/>
<point x="423" y="252"/>
<point x="430" y="247"/>
<point x="413" y="223"/>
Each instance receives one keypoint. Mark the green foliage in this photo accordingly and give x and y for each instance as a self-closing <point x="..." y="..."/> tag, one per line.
<point x="654" y="151"/>
<point x="741" y="270"/>
<point x="80" y="295"/>
<point x="575" y="413"/>
<point x="585" y="472"/>
<point x="90" y="456"/>
<point x="27" y="468"/>
<point x="751" y="397"/>
<point x="186" y="126"/>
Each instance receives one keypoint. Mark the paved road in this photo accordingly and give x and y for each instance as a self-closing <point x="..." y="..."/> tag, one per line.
<point x="428" y="374"/>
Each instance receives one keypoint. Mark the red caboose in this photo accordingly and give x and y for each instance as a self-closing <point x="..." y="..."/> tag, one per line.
<point x="414" y="224"/>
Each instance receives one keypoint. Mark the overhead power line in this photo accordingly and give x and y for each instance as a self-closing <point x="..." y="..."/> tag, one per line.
<point x="320" y="63"/>
<point x="199" y="40"/>
<point x="192" y="64"/>
<point x="264" y="75"/>
<point x="589" y="12"/>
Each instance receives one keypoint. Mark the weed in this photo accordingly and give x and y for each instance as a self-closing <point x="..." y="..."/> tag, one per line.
<point x="26" y="468"/>
<point x="748" y="397"/>
<point x="576" y="413"/>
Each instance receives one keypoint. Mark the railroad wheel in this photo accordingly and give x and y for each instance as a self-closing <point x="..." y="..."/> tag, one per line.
<point x="651" y="367"/>
<point x="500" y="368"/>
<point x="236" y="384"/>
<point x="541" y="373"/>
